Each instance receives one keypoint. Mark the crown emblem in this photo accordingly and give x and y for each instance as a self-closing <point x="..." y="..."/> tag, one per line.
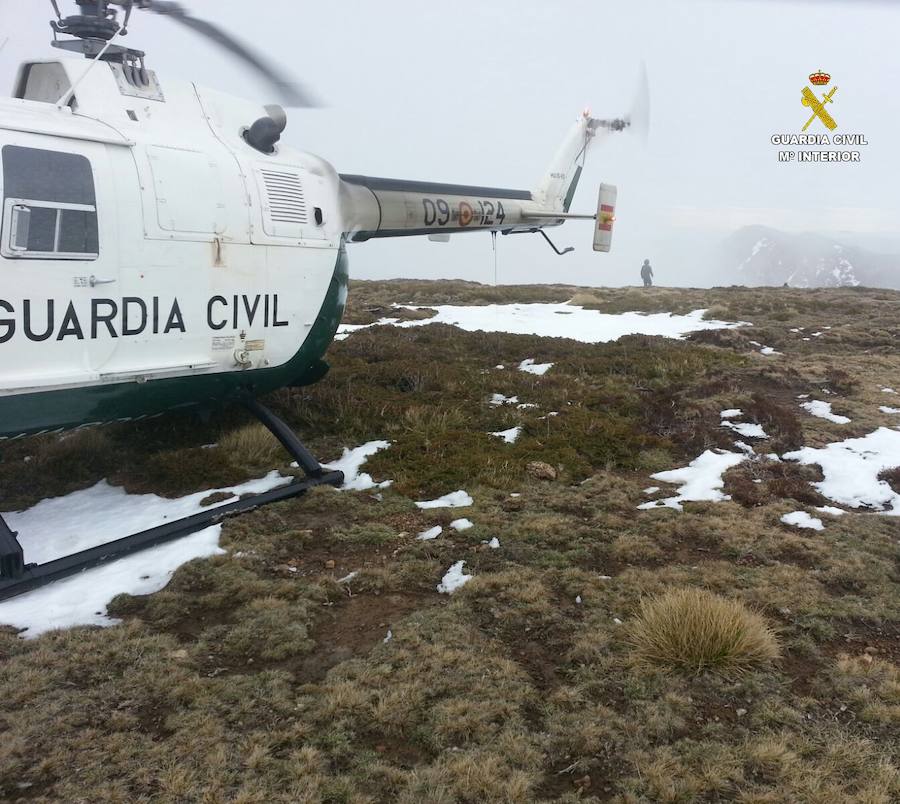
<point x="820" y="79"/>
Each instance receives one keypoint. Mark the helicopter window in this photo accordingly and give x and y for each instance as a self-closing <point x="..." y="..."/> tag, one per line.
<point x="36" y="231"/>
<point x="49" y="205"/>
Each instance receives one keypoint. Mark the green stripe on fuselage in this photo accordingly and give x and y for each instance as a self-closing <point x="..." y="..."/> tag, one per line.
<point x="572" y="188"/>
<point x="26" y="414"/>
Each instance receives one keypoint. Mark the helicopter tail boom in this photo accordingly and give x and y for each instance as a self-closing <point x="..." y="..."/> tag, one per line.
<point x="378" y="207"/>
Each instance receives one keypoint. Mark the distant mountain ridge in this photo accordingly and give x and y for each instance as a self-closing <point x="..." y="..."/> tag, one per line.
<point x="759" y="255"/>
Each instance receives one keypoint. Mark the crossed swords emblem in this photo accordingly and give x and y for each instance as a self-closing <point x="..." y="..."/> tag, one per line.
<point x="818" y="108"/>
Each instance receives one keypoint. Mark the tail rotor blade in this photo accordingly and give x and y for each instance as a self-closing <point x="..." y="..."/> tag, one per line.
<point x="639" y="118"/>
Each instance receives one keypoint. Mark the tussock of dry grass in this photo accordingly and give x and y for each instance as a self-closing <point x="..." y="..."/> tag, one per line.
<point x="696" y="630"/>
<point x="252" y="445"/>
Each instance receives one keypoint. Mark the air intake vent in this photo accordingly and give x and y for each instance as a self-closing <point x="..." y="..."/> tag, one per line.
<point x="284" y="193"/>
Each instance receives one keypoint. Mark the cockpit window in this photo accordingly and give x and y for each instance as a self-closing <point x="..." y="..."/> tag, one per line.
<point x="49" y="205"/>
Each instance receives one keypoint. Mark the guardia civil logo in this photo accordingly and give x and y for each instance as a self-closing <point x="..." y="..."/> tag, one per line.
<point x="819" y="103"/>
<point x="819" y="111"/>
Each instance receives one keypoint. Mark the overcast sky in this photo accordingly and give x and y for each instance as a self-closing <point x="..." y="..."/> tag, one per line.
<point x="484" y="93"/>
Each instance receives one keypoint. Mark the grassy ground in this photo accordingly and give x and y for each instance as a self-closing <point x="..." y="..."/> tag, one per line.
<point x="257" y="676"/>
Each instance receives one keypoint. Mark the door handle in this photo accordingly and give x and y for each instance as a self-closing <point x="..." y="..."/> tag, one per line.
<point x="94" y="281"/>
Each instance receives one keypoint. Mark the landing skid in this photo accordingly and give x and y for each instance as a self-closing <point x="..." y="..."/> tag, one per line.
<point x="17" y="577"/>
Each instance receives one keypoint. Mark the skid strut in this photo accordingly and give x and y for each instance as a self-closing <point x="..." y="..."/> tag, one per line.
<point x="17" y="577"/>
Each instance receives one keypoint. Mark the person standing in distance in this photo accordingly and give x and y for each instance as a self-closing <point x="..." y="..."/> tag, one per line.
<point x="647" y="274"/>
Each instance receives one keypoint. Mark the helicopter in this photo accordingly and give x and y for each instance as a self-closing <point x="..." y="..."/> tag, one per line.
<point x="163" y="249"/>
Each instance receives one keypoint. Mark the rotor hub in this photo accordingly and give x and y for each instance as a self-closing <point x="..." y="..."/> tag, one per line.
<point x="96" y="19"/>
<point x="86" y="26"/>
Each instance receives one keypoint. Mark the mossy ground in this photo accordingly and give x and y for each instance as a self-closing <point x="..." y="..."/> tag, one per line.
<point x="257" y="676"/>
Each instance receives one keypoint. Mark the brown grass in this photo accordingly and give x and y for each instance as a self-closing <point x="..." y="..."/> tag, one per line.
<point x="253" y="445"/>
<point x="696" y="630"/>
<point x="257" y="676"/>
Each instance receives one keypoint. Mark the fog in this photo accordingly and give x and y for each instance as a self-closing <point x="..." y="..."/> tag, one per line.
<point x="483" y="94"/>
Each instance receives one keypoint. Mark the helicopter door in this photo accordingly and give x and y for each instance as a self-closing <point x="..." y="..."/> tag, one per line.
<point x="58" y="264"/>
<point x="189" y="195"/>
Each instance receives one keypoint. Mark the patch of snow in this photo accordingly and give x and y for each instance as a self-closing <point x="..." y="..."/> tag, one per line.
<point x="773" y="457"/>
<point x="462" y="524"/>
<point x="731" y="413"/>
<point x="578" y="600"/>
<point x="509" y="436"/>
<point x="851" y="470"/>
<point x="587" y="326"/>
<point x="350" y="463"/>
<point x="744" y="447"/>
<point x="457" y="499"/>
<point x="700" y="481"/>
<point x="430" y="534"/>
<point x="822" y="410"/>
<point x="526" y="406"/>
<point x="886" y="409"/>
<point x="768" y="351"/>
<point x="389" y="637"/>
<point x="888" y="391"/>
<point x="454" y="579"/>
<point x="60" y="526"/>
<point x="346" y="330"/>
<point x="746" y="429"/>
<point x="651" y="490"/>
<point x="494" y="543"/>
<point x="499" y="399"/>
<point x="501" y="367"/>
<point x="831" y="510"/>
<point x="348" y="578"/>
<point x="800" y="519"/>
<point x="539" y="369"/>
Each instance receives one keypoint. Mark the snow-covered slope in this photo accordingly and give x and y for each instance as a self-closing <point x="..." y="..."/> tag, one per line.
<point x="757" y="255"/>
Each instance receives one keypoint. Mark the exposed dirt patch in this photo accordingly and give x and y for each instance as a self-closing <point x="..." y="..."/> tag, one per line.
<point x="353" y="627"/>
<point x="596" y="781"/>
<point x="540" y="660"/>
<point x="400" y="753"/>
<point x="802" y="669"/>
<point x="881" y="640"/>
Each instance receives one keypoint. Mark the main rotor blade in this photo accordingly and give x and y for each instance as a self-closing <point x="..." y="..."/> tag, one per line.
<point x="291" y="94"/>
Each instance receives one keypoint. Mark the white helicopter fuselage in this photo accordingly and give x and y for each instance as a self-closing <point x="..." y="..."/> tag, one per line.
<point x="208" y="257"/>
<point x="152" y="258"/>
